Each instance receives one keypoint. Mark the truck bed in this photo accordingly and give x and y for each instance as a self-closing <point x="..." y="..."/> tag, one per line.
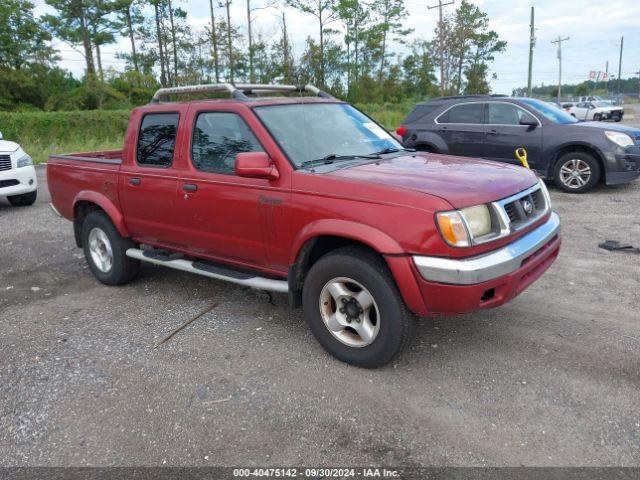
<point x="74" y="175"/>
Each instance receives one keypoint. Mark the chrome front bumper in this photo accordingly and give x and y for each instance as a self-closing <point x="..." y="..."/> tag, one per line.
<point x="469" y="271"/>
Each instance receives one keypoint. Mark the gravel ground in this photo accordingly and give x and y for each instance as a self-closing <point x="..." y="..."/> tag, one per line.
<point x="550" y="379"/>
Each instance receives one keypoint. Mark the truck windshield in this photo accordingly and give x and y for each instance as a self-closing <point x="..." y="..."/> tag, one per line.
<point x="308" y="132"/>
<point x="552" y="113"/>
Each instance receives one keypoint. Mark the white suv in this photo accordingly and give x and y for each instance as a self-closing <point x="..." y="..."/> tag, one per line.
<point x="18" y="180"/>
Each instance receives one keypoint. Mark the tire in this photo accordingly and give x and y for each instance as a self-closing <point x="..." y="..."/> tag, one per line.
<point x="104" y="250"/>
<point x="597" y="117"/>
<point x="344" y="274"/>
<point x="580" y="182"/>
<point x="23" y="200"/>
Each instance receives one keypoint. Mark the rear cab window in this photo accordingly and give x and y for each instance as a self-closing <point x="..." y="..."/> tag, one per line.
<point x="157" y="139"/>
<point x="464" y="113"/>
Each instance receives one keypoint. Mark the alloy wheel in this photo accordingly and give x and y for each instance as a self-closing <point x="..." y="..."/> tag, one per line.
<point x="100" y="249"/>
<point x="349" y="312"/>
<point x="575" y="173"/>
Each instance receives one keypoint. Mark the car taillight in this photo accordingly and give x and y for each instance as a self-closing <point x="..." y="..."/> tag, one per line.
<point x="401" y="130"/>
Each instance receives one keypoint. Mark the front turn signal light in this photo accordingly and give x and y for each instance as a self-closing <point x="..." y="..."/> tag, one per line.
<point x="453" y="229"/>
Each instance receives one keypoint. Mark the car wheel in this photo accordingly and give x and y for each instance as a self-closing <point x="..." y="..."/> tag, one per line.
<point x="576" y="172"/>
<point x="597" y="117"/>
<point x="105" y="250"/>
<point x="354" y="309"/>
<point x="23" y="200"/>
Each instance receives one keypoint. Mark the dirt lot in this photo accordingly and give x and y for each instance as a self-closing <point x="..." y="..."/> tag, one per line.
<point x="549" y="379"/>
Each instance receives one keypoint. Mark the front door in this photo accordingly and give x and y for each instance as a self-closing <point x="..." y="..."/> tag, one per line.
<point x="148" y="183"/>
<point x="222" y="215"/>
<point x="505" y="134"/>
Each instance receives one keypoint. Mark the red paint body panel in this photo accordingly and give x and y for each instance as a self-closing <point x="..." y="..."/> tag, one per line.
<point x="263" y="224"/>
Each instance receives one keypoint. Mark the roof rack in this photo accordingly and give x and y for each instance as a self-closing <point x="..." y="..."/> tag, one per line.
<point x="238" y="92"/>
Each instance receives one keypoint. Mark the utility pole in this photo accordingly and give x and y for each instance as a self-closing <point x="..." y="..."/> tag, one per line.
<point x="559" y="43"/>
<point x="638" y="73"/>
<point x="620" y="68"/>
<point x="532" y="41"/>
<point x="441" y="41"/>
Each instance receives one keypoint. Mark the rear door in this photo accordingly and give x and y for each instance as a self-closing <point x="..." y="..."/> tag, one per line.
<point x="149" y="181"/>
<point x="462" y="127"/>
<point x="504" y="134"/>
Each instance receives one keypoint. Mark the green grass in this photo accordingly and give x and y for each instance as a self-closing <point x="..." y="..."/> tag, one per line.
<point x="45" y="133"/>
<point x="40" y="150"/>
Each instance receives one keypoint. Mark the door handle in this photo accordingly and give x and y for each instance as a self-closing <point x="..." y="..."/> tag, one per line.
<point x="134" y="181"/>
<point x="190" y="187"/>
<point x="492" y="132"/>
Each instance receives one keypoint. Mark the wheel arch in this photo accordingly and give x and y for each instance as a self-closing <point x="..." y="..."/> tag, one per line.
<point x="88" y="201"/>
<point x="324" y="236"/>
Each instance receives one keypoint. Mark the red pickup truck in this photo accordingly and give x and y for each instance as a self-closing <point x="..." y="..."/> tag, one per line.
<point x="304" y="194"/>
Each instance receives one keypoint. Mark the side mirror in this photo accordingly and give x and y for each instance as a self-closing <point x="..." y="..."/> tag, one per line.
<point x="529" y="122"/>
<point x="256" y="165"/>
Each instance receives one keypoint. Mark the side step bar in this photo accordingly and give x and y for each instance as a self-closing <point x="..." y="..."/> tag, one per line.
<point x="219" y="273"/>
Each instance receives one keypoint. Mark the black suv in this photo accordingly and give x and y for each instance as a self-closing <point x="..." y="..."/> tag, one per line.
<point x="576" y="155"/>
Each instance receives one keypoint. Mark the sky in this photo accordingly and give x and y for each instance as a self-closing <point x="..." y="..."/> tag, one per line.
<point x="594" y="29"/>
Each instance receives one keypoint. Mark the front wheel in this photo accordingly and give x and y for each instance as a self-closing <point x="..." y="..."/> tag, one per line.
<point x="23" y="200"/>
<point x="597" y="117"/>
<point x="105" y="250"/>
<point x="577" y="172"/>
<point x="354" y="308"/>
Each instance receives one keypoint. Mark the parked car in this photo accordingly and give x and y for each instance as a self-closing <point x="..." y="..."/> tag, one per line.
<point x="575" y="155"/>
<point x="310" y="197"/>
<point x="18" y="180"/>
<point x="596" y="111"/>
<point x="595" y="98"/>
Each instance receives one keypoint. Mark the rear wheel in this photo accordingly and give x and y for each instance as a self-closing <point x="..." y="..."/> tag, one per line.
<point x="23" y="200"/>
<point x="426" y="148"/>
<point x="354" y="308"/>
<point x="577" y="172"/>
<point x="105" y="250"/>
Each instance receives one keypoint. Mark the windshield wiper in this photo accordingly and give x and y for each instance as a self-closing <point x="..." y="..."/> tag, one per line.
<point x="332" y="157"/>
<point x="384" y="151"/>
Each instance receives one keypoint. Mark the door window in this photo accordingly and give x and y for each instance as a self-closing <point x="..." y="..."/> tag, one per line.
<point x="507" y="114"/>
<point x="218" y="137"/>
<point x="470" y="113"/>
<point x="157" y="139"/>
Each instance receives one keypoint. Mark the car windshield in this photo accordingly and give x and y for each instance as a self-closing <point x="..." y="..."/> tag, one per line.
<point x="554" y="114"/>
<point x="601" y="104"/>
<point x="332" y="131"/>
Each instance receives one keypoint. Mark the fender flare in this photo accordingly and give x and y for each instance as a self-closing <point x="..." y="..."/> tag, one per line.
<point x="106" y="204"/>
<point x="555" y="154"/>
<point x="370" y="236"/>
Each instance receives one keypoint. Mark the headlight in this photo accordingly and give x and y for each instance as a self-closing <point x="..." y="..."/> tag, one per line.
<point x="460" y="226"/>
<point x="478" y="220"/>
<point x="619" y="138"/>
<point x="24" y="161"/>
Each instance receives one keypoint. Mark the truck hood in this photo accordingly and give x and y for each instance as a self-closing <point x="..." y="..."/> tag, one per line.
<point x="461" y="181"/>
<point x="8" y="147"/>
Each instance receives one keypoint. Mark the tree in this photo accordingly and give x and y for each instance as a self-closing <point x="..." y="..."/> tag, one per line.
<point x="418" y="71"/>
<point x="71" y="25"/>
<point x="390" y="12"/>
<point x="22" y="38"/>
<point x="470" y="46"/>
<point x="355" y="18"/>
<point x="214" y="42"/>
<point x="325" y="12"/>
<point x="130" y="16"/>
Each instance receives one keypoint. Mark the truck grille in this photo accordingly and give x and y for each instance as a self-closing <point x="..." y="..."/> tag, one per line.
<point x="525" y="208"/>
<point x="5" y="162"/>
